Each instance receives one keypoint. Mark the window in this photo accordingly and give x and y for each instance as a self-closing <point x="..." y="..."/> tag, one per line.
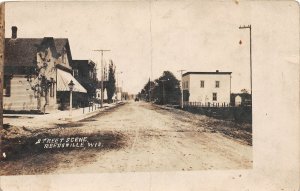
<point x="217" y="84"/>
<point x="52" y="88"/>
<point x="214" y="96"/>
<point x="75" y="72"/>
<point x="6" y="85"/>
<point x="202" y="84"/>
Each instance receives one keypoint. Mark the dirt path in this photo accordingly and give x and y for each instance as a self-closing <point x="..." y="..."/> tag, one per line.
<point x="141" y="137"/>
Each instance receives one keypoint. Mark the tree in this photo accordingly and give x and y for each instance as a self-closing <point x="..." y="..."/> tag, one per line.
<point x="42" y="76"/>
<point x="111" y="84"/>
<point x="167" y="89"/>
<point x="164" y="90"/>
<point x="244" y="91"/>
<point x="148" y="90"/>
<point x="186" y="95"/>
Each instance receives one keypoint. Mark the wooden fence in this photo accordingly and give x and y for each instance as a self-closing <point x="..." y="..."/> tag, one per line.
<point x="221" y="111"/>
<point x="208" y="104"/>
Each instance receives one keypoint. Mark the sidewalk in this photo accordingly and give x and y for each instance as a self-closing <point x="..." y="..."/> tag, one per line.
<point x="58" y="117"/>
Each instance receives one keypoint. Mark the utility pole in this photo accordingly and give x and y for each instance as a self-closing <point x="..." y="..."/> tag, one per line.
<point x="250" y="29"/>
<point x="181" y="71"/>
<point x="118" y="80"/>
<point x="122" y="91"/>
<point x="102" y="88"/>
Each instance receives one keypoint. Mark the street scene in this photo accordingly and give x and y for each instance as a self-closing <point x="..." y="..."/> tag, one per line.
<point x="124" y="94"/>
<point x="142" y="137"/>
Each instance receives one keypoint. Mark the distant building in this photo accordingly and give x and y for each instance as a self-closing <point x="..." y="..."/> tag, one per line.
<point x="36" y="73"/>
<point x="118" y="95"/>
<point x="98" y="91"/>
<point x="241" y="99"/>
<point x="207" y="87"/>
<point x="84" y="72"/>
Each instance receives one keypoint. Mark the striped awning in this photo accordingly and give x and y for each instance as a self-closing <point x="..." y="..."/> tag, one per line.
<point x="64" y="78"/>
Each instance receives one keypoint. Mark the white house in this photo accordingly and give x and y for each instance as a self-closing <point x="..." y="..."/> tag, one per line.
<point x="207" y="87"/>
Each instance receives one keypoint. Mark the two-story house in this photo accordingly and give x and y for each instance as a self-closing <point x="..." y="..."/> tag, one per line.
<point x="207" y="87"/>
<point x="36" y="73"/>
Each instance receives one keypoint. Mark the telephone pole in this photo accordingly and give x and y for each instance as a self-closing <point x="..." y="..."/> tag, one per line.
<point x="181" y="71"/>
<point x="102" y="88"/>
<point x="250" y="29"/>
<point x="118" y="85"/>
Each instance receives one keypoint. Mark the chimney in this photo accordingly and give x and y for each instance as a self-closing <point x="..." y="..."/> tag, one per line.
<point x="14" y="32"/>
<point x="217" y="70"/>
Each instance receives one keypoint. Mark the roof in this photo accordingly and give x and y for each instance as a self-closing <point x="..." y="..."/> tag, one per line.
<point x="76" y="63"/>
<point x="22" y="51"/>
<point x="244" y="95"/>
<point x="199" y="73"/>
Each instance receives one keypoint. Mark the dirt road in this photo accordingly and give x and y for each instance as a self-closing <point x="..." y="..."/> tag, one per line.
<point x="139" y="137"/>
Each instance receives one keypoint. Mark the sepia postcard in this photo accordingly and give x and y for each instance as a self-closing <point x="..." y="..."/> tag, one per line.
<point x="149" y="95"/>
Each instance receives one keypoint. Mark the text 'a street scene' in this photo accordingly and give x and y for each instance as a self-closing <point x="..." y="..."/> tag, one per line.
<point x="122" y="97"/>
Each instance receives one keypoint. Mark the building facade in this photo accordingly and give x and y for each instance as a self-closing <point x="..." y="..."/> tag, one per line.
<point x="85" y="73"/>
<point x="36" y="73"/>
<point x="207" y="87"/>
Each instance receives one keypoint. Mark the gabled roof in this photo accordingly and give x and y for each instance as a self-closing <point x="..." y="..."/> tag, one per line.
<point x="22" y="51"/>
<point x="199" y="73"/>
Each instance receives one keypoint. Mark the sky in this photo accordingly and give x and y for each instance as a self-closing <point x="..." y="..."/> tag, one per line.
<point x="149" y="37"/>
